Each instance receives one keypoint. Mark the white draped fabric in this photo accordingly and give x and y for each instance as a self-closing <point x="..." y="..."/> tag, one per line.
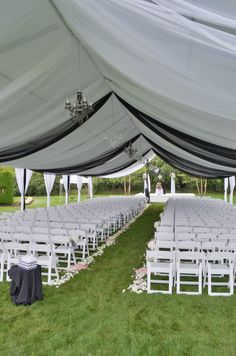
<point x="66" y="184"/>
<point x="226" y="184"/>
<point x="147" y="183"/>
<point x="232" y="186"/>
<point x="79" y="186"/>
<point x="133" y="168"/>
<point x="173" y="60"/>
<point x="23" y="177"/>
<point x="90" y="187"/>
<point x="49" y="180"/>
<point x="172" y="183"/>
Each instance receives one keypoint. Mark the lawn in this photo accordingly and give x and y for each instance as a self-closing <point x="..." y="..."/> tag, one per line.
<point x="41" y="202"/>
<point x="91" y="316"/>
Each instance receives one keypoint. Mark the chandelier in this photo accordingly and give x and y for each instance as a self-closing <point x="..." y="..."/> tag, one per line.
<point x="150" y="167"/>
<point x="131" y="151"/>
<point x="80" y="110"/>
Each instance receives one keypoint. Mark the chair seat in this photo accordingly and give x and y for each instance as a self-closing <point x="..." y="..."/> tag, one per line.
<point x="219" y="268"/>
<point x="44" y="260"/>
<point x="188" y="268"/>
<point x="62" y="249"/>
<point x="160" y="267"/>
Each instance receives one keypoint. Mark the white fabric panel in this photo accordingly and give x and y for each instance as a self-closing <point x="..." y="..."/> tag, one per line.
<point x="232" y="186"/>
<point x="90" y="187"/>
<point x="147" y="183"/>
<point x="49" y="180"/>
<point x="183" y="55"/>
<point x="143" y="51"/>
<point x="133" y="168"/>
<point x="176" y="150"/>
<point x="20" y="182"/>
<point x="38" y="55"/>
<point x="79" y="186"/>
<point x="172" y="183"/>
<point x="226" y="184"/>
<point x="93" y="138"/>
<point x="66" y="185"/>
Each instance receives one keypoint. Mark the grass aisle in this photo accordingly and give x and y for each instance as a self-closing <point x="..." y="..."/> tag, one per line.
<point x="91" y="316"/>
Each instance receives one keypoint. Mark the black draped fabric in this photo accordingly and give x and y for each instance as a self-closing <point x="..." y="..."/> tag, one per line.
<point x="26" y="285"/>
<point x="49" y="138"/>
<point x="199" y="148"/>
<point x="187" y="166"/>
<point x="95" y="162"/>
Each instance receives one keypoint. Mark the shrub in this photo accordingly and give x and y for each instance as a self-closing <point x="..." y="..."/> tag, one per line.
<point x="6" y="188"/>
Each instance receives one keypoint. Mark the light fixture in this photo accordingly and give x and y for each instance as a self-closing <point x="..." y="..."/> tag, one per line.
<point x="131" y="151"/>
<point x="150" y="167"/>
<point x="80" y="110"/>
<point x="114" y="140"/>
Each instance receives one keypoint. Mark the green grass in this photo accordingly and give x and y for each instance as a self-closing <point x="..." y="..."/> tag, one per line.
<point x="41" y="202"/>
<point x="91" y="316"/>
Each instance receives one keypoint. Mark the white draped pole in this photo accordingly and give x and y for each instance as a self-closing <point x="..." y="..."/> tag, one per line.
<point x="226" y="184"/>
<point x="49" y="180"/>
<point x="90" y="187"/>
<point x="232" y="185"/>
<point x="23" y="177"/>
<point x="79" y="186"/>
<point x="149" y="183"/>
<point x="172" y="184"/>
<point x="66" y="183"/>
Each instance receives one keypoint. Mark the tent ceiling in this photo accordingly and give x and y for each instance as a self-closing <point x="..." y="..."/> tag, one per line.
<point x="145" y="63"/>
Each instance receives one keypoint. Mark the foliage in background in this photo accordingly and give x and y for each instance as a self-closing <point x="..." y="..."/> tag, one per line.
<point x="6" y="187"/>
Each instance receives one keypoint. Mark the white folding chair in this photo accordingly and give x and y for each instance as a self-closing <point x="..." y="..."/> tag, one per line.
<point x="63" y="250"/>
<point x="189" y="264"/>
<point x="219" y="265"/>
<point x="46" y="258"/>
<point x="160" y="264"/>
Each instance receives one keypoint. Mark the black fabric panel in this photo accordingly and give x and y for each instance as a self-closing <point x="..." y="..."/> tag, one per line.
<point x="187" y="166"/>
<point x="47" y="139"/>
<point x="95" y="162"/>
<point x="197" y="147"/>
<point x="115" y="170"/>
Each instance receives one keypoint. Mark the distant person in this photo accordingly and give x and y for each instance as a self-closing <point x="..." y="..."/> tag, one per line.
<point x="159" y="189"/>
<point x="147" y="194"/>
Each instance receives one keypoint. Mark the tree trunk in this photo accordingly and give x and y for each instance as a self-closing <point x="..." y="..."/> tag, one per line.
<point x="197" y="185"/>
<point x="129" y="186"/>
<point x="125" y="186"/>
<point x="205" y="187"/>
<point x="201" y="181"/>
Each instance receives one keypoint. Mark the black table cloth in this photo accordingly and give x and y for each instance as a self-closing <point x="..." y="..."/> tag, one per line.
<point x="26" y="285"/>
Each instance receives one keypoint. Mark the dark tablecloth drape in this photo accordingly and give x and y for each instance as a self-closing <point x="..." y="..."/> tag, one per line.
<point x="26" y="285"/>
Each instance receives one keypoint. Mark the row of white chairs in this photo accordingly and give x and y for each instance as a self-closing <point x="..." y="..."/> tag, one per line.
<point x="55" y="238"/>
<point x="194" y="269"/>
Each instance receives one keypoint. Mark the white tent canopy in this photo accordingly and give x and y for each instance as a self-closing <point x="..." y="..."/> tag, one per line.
<point x="161" y="74"/>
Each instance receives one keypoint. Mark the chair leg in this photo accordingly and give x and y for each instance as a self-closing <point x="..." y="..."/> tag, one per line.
<point x="2" y="269"/>
<point x="49" y="273"/>
<point x="209" y="281"/>
<point x="231" y="281"/>
<point x="148" y="281"/>
<point x="200" y="280"/>
<point x="170" y="282"/>
<point x="178" y="281"/>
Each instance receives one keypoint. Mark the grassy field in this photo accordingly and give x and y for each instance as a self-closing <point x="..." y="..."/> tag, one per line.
<point x="91" y="316"/>
<point x="41" y="202"/>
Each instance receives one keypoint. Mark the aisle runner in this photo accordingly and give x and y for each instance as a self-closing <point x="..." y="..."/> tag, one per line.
<point x="111" y="240"/>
